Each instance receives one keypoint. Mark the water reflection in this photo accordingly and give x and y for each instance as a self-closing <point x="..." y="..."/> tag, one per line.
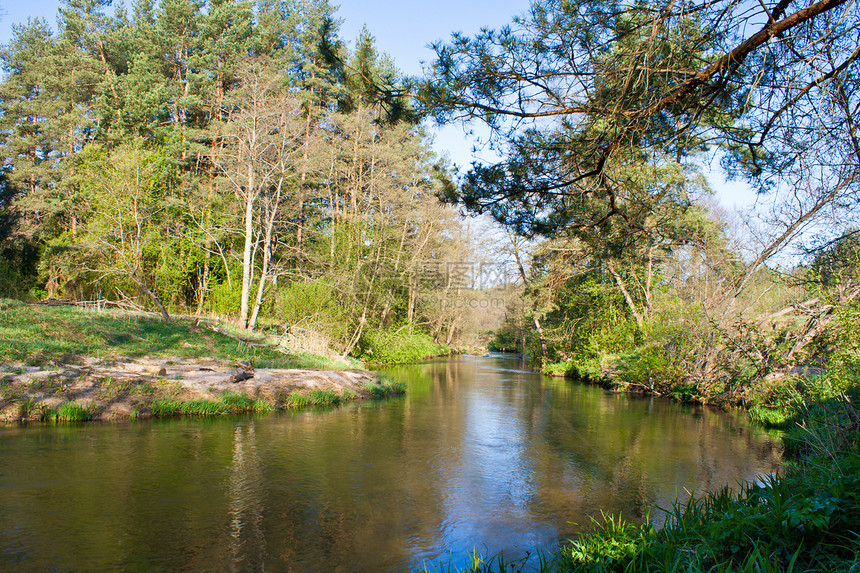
<point x="246" y="494"/>
<point x="480" y="454"/>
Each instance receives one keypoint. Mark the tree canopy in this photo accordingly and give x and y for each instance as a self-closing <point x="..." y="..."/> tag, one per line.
<point x="579" y="94"/>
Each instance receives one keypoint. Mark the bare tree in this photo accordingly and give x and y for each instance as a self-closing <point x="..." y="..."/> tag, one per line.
<point x="262" y="140"/>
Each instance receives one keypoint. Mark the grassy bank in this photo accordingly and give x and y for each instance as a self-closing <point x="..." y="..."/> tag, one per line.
<point x="806" y="519"/>
<point x="38" y="335"/>
<point x="66" y="364"/>
<point x="140" y="398"/>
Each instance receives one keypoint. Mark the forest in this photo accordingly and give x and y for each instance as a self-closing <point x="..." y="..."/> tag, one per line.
<point x="234" y="159"/>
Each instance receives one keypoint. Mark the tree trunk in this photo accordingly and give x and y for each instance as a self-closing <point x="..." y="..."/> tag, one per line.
<point x="633" y="310"/>
<point x="249" y="242"/>
<point x="153" y="297"/>
<point x="267" y="255"/>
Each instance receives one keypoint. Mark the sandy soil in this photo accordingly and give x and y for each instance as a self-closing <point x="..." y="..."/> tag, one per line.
<point x="126" y="388"/>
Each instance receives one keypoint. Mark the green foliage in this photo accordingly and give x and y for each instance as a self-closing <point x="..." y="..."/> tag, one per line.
<point x="612" y="545"/>
<point x="19" y="271"/>
<point x="225" y="299"/>
<point x="39" y="334"/>
<point x="837" y="263"/>
<point x="771" y="417"/>
<point x="47" y="414"/>
<point x="74" y="412"/>
<point x="124" y="183"/>
<point x="477" y="563"/>
<point x="314" y="305"/>
<point x="567" y="369"/>
<point x="649" y="367"/>
<point x="313" y="397"/>
<point x="398" y="346"/>
<point x="508" y="338"/>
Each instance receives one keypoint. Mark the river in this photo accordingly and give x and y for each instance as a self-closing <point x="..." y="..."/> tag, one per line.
<point x="480" y="454"/>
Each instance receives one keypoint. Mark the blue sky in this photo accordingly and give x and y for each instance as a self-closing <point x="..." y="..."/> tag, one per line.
<point x="403" y="30"/>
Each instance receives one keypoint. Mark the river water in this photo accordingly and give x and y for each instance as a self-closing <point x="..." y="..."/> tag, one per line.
<point x="480" y="454"/>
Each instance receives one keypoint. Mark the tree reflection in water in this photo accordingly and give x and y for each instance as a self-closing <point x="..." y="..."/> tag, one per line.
<point x="479" y="454"/>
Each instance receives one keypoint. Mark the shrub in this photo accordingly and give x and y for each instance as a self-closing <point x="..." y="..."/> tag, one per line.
<point x="225" y="301"/>
<point x="653" y="368"/>
<point x="566" y="368"/>
<point x="398" y="346"/>
<point x="313" y="305"/>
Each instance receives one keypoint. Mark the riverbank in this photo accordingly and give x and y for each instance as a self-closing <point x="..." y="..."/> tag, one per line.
<point x="803" y="518"/>
<point x="67" y="363"/>
<point x="145" y="387"/>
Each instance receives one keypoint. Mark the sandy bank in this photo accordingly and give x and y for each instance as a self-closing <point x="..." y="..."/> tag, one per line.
<point x="120" y="389"/>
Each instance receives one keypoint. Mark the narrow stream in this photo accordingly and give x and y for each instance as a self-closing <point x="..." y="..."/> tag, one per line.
<point x="480" y="454"/>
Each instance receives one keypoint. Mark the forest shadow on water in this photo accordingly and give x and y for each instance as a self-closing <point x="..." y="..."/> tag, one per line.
<point x="480" y="454"/>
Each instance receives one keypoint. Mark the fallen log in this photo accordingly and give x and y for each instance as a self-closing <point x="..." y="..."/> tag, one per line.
<point x="241" y="376"/>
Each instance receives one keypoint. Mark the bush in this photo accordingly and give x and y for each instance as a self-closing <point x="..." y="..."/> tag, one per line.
<point x="312" y="305"/>
<point x="398" y="346"/>
<point x="225" y="301"/>
<point x="653" y="368"/>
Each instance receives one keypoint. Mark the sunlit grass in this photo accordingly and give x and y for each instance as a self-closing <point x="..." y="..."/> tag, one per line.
<point x="227" y="403"/>
<point x="314" y="397"/>
<point x="39" y="335"/>
<point x="74" y="412"/>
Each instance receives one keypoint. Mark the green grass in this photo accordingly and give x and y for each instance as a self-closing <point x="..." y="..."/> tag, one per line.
<point x="236" y="402"/>
<point x="477" y="563"/>
<point x="165" y="408"/>
<point x="39" y="335"/>
<point x="73" y="412"/>
<point x="771" y="417"/>
<point x="315" y="397"/>
<point x="227" y="403"/>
